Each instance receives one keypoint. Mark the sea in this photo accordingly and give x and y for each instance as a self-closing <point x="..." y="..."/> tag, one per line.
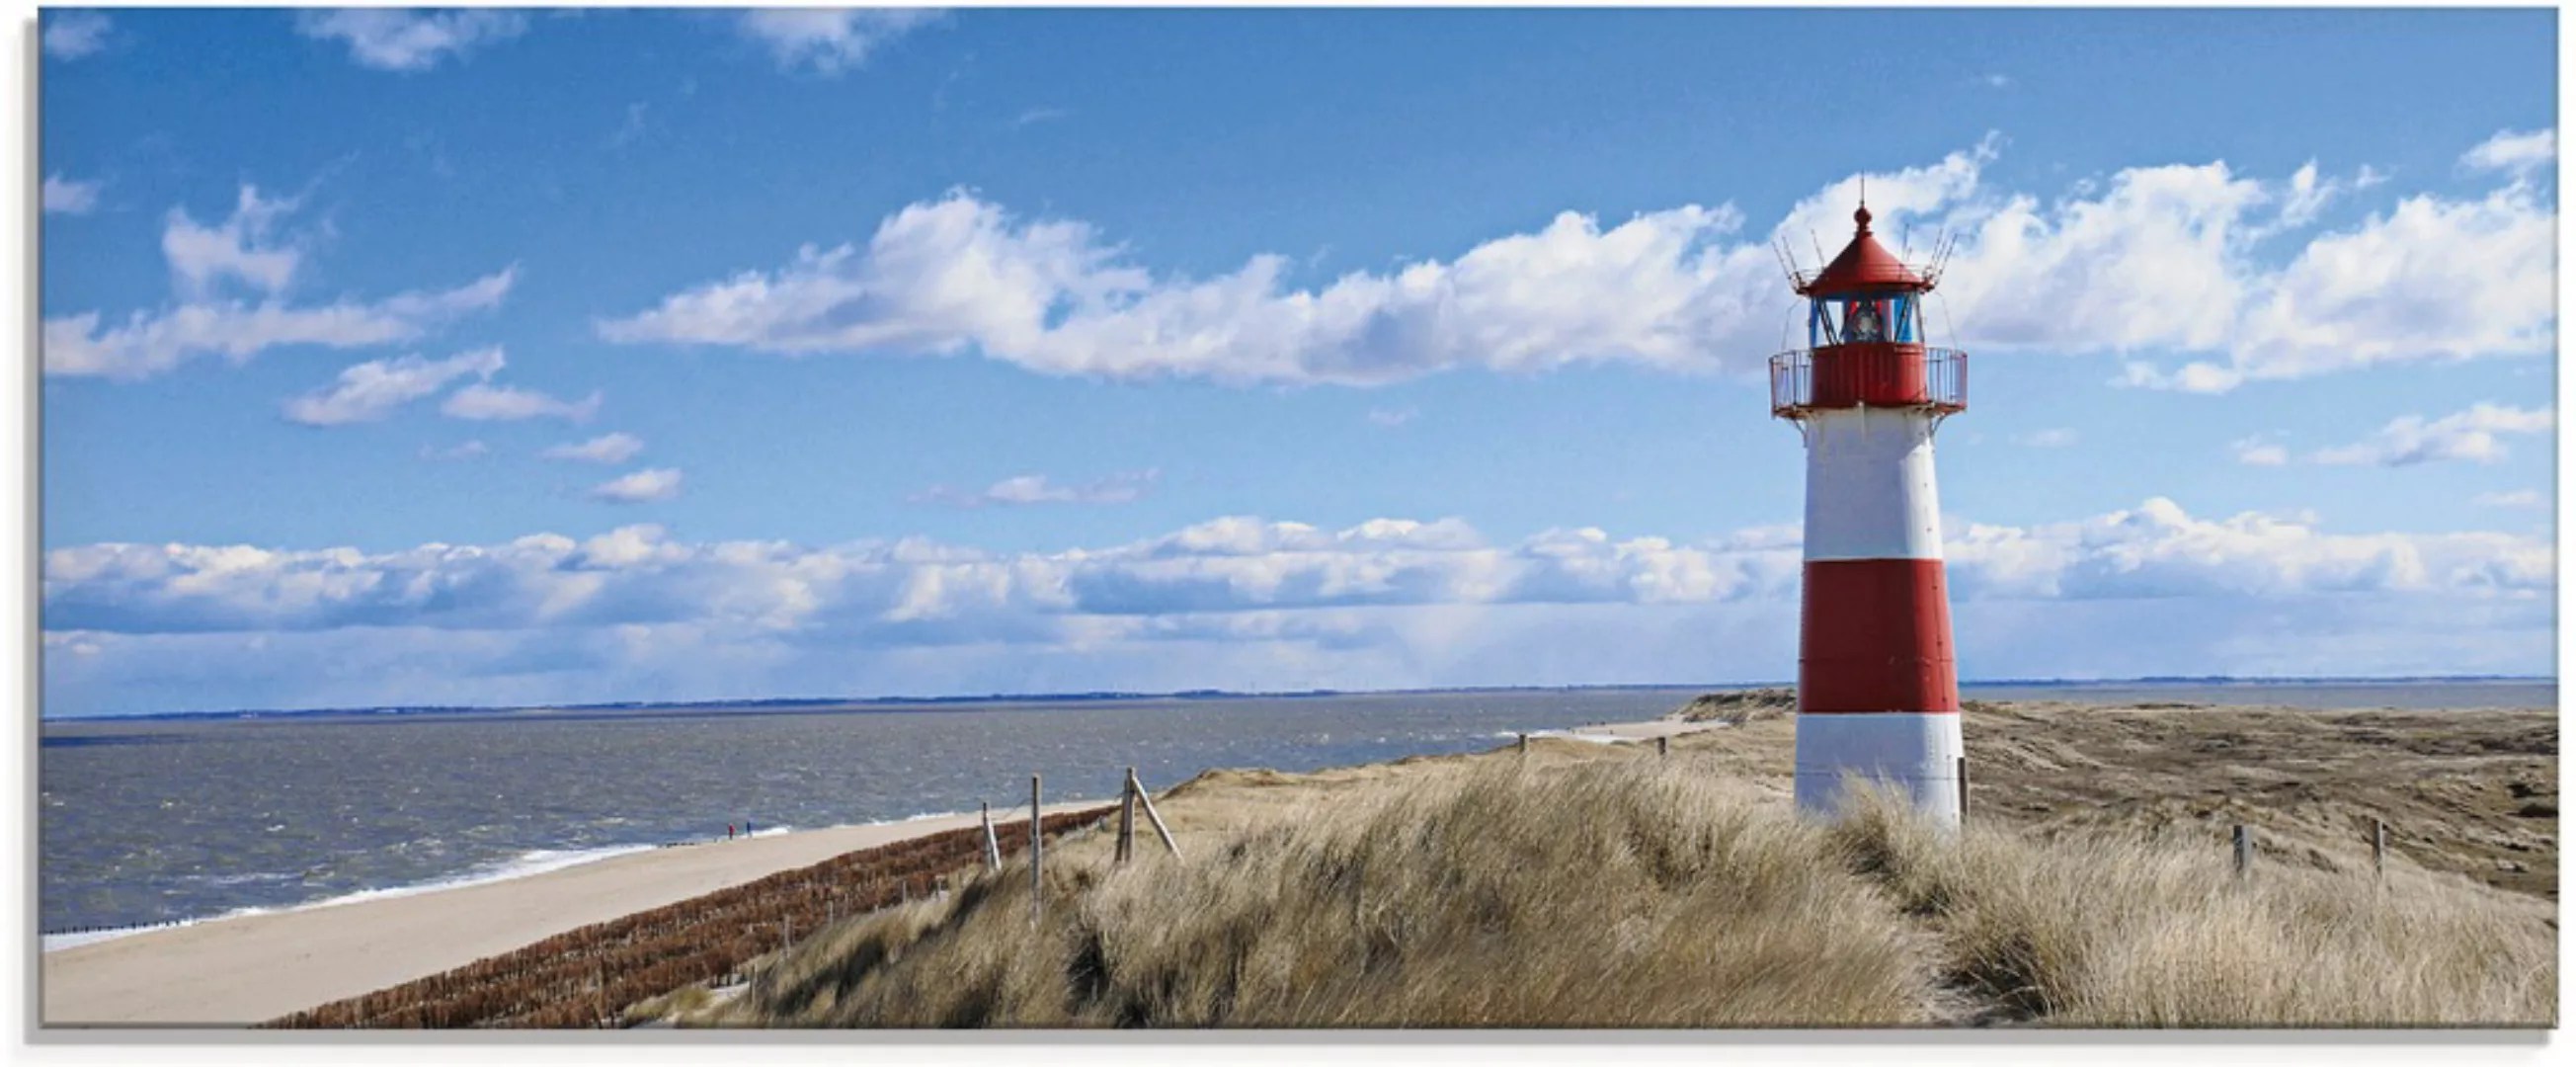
<point x="153" y="821"/>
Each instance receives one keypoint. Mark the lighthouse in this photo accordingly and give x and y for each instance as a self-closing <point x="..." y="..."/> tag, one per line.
<point x="1878" y="690"/>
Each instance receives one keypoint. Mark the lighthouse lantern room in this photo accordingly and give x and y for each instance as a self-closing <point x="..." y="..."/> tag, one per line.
<point x="1878" y="691"/>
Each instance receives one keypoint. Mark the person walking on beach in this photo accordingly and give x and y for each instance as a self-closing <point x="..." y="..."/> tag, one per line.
<point x="728" y="831"/>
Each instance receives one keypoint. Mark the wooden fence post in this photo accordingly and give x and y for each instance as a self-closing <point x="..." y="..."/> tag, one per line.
<point x="2379" y="849"/>
<point x="1036" y="849"/>
<point x="786" y="933"/>
<point x="2244" y="851"/>
<point x="1524" y="746"/>
<point x="1963" y="790"/>
<point x="1663" y="746"/>
<point x="1165" y="832"/>
<point x="992" y="841"/>
<point x="1127" y="817"/>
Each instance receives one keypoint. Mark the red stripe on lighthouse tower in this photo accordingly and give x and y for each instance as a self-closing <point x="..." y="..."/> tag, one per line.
<point x="1878" y="690"/>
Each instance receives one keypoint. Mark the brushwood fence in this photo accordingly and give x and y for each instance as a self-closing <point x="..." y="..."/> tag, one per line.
<point x="590" y="976"/>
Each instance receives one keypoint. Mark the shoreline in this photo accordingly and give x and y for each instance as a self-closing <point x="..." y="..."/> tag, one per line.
<point x="530" y="864"/>
<point x="247" y="967"/>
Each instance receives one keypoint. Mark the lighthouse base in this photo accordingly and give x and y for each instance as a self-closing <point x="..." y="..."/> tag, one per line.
<point x="1914" y="752"/>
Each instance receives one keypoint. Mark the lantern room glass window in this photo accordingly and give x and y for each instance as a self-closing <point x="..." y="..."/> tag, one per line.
<point x="1865" y="318"/>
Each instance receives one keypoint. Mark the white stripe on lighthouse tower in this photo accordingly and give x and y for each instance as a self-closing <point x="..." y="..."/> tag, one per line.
<point x="1877" y="685"/>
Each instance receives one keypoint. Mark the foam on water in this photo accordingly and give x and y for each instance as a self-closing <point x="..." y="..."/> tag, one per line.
<point x="533" y="862"/>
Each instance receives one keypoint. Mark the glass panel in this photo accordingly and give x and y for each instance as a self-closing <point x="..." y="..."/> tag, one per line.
<point x="1865" y="320"/>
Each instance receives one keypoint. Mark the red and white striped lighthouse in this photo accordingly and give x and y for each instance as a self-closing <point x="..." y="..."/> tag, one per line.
<point x="1878" y="692"/>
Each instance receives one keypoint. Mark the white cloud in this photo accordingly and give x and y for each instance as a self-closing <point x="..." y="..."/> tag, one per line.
<point x="2174" y="257"/>
<point x="2307" y="196"/>
<point x="606" y="448"/>
<point x="943" y="276"/>
<point x="371" y="390"/>
<point x="149" y="343"/>
<point x="2520" y="498"/>
<point x="1245" y="603"/>
<point x="2258" y="451"/>
<point x="400" y="40"/>
<point x="2158" y="550"/>
<point x="2429" y="279"/>
<point x="1391" y="418"/>
<point x="830" y="40"/>
<point x="2515" y="153"/>
<point x="485" y="402"/>
<point x="2054" y="437"/>
<point x="2469" y="435"/>
<point x="1025" y="489"/>
<point x="64" y="196"/>
<point x="73" y="34"/>
<point x="245" y="253"/>
<point x="202" y="257"/>
<point x="656" y="483"/>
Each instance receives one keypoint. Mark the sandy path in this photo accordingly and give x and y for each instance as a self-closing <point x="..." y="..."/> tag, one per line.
<point x="1635" y="731"/>
<point x="255" y="968"/>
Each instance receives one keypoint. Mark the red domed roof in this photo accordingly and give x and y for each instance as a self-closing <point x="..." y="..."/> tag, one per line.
<point x="1863" y="264"/>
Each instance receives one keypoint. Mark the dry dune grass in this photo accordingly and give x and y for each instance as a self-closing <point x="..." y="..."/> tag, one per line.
<point x="2136" y="929"/>
<point x="1615" y="894"/>
<point x="1645" y="893"/>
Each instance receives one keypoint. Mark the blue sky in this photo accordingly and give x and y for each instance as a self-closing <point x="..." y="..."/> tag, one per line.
<point x="472" y="357"/>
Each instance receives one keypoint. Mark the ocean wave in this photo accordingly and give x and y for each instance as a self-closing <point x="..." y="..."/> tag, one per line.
<point x="526" y="864"/>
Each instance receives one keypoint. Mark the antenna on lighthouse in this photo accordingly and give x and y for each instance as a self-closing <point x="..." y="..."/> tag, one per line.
<point x="1941" y="256"/>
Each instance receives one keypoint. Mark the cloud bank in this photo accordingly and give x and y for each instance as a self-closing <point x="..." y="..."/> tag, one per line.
<point x="2187" y="258"/>
<point x="1387" y="602"/>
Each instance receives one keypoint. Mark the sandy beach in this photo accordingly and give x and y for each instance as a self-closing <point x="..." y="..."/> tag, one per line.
<point x="249" y="969"/>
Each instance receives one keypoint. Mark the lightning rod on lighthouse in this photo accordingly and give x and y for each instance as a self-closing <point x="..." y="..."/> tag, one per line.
<point x="1878" y="690"/>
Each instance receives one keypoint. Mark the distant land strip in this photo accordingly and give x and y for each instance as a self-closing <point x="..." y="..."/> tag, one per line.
<point x="912" y="702"/>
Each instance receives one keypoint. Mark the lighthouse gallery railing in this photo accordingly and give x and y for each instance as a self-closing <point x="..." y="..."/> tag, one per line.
<point x="1944" y="385"/>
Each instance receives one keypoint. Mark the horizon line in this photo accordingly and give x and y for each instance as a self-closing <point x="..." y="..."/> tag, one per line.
<point x="1105" y="695"/>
